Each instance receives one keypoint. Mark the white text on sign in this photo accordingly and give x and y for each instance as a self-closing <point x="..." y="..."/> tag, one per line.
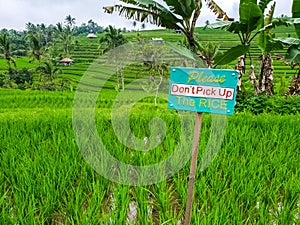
<point x="202" y="91"/>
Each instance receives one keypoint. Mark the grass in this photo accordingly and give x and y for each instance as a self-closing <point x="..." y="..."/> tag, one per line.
<point x="44" y="178"/>
<point x="21" y="62"/>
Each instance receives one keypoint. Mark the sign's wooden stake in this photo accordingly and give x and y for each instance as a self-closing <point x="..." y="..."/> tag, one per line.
<point x="197" y="131"/>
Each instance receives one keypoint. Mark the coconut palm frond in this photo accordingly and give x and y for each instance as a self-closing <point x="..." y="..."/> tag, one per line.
<point x="47" y="70"/>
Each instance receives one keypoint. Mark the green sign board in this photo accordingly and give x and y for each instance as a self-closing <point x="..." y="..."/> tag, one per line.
<point x="203" y="90"/>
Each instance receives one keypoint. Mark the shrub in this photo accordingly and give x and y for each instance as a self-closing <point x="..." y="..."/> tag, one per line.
<point x="264" y="104"/>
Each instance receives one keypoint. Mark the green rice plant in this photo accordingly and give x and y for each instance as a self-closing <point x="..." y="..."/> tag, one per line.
<point x="120" y="204"/>
<point x="144" y="200"/>
<point x="44" y="179"/>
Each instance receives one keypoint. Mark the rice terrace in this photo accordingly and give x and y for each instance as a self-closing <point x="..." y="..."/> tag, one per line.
<point x="98" y="125"/>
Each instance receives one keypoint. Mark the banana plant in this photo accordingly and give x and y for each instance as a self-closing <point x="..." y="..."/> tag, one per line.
<point x="293" y="53"/>
<point x="250" y="24"/>
<point x="5" y="49"/>
<point x="296" y="16"/>
<point x="207" y="52"/>
<point x="266" y="44"/>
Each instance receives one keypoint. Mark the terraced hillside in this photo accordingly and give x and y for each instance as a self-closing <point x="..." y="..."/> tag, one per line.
<point x="86" y="51"/>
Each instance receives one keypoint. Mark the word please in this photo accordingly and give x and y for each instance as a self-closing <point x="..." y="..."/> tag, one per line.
<point x="201" y="77"/>
<point x="202" y="91"/>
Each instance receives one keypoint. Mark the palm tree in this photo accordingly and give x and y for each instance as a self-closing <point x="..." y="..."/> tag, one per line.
<point x="59" y="28"/>
<point x="47" y="71"/>
<point x="67" y="41"/>
<point x="31" y="28"/>
<point x="65" y="37"/>
<point x="5" y="48"/>
<point x="178" y="15"/>
<point x="36" y="45"/>
<point x="70" y="20"/>
<point x="112" y="38"/>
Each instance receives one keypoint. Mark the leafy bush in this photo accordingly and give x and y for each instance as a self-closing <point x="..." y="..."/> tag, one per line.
<point x="264" y="104"/>
<point x="20" y="77"/>
<point x="46" y="85"/>
<point x="16" y="78"/>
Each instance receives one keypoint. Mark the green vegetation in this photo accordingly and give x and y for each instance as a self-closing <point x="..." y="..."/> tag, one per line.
<point x="45" y="180"/>
<point x="86" y="51"/>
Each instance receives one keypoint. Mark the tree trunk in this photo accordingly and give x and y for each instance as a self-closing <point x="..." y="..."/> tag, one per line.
<point x="294" y="88"/>
<point x="253" y="80"/>
<point x="191" y="39"/>
<point x="266" y="83"/>
<point x="240" y="67"/>
<point x="122" y="79"/>
<point x="8" y="58"/>
<point x="157" y="89"/>
<point x="118" y="79"/>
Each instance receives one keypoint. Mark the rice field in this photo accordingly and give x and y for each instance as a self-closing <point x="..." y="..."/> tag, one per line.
<point x="44" y="178"/>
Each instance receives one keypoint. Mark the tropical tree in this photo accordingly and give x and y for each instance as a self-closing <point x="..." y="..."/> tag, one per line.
<point x="38" y="37"/>
<point x="46" y="33"/>
<point x="179" y="15"/>
<point x="18" y="43"/>
<point x="67" y="42"/>
<point x="70" y="20"/>
<point x="207" y="51"/>
<point x="93" y="27"/>
<point x="252" y="23"/>
<point x="293" y="53"/>
<point x="23" y="78"/>
<point x="296" y="16"/>
<point x="5" y="49"/>
<point x="112" y="38"/>
<point x="31" y="28"/>
<point x="153" y="55"/>
<point x="65" y="37"/>
<point x="90" y="27"/>
<point x="267" y="45"/>
<point x="47" y="71"/>
<point x="37" y="48"/>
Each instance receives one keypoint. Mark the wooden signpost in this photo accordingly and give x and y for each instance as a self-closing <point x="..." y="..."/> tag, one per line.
<point x="201" y="90"/>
